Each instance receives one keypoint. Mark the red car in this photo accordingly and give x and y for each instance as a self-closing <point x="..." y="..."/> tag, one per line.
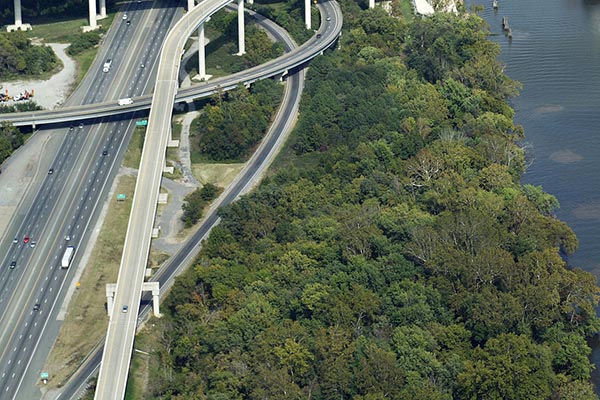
<point x="26" y="239"/>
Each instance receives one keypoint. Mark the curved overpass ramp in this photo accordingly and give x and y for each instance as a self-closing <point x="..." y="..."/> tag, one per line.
<point x="122" y="326"/>
<point x="329" y="32"/>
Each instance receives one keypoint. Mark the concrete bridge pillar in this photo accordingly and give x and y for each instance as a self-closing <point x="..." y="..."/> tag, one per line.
<point x="241" y="32"/>
<point x="155" y="288"/>
<point x="307" y="14"/>
<point x="111" y="288"/>
<point x="371" y="3"/>
<point x="92" y="13"/>
<point x="102" y="9"/>
<point x="202" y="55"/>
<point x="19" y="25"/>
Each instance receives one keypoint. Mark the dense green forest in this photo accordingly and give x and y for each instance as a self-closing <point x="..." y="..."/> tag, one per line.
<point x="10" y="140"/>
<point x="232" y="123"/>
<point x="19" y="56"/>
<point x="393" y="253"/>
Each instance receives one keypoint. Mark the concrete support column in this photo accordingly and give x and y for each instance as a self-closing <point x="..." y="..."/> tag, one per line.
<point x="92" y="13"/>
<point x="102" y="9"/>
<point x="202" y="55"/>
<point x="190" y="4"/>
<point x="241" y="32"/>
<point x="371" y="3"/>
<point x="111" y="288"/>
<point x="307" y="15"/>
<point x="18" y="17"/>
<point x="19" y="25"/>
<point x="155" y="288"/>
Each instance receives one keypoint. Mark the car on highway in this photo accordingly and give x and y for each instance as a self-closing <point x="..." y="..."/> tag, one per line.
<point x="71" y="127"/>
<point x="128" y="22"/>
<point x="67" y="237"/>
<point x="124" y="16"/>
<point x="319" y="36"/>
<point x="328" y="19"/>
<point x="15" y="240"/>
<point x="81" y="125"/>
<point x="32" y="244"/>
<point x="125" y="309"/>
<point x="36" y="307"/>
<point x="13" y="264"/>
<point x="104" y="152"/>
<point x="50" y="171"/>
<point x="26" y="239"/>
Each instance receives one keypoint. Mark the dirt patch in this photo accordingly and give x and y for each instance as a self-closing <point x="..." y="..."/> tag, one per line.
<point x="218" y="174"/>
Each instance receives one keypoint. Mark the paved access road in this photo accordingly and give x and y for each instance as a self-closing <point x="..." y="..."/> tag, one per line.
<point x="65" y="202"/>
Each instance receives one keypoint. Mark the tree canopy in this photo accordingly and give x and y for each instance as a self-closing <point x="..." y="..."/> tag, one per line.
<point x="393" y="252"/>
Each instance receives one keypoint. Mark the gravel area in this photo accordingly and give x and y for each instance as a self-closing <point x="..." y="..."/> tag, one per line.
<point x="50" y="93"/>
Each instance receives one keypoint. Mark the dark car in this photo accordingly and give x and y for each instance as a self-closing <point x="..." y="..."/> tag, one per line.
<point x="13" y="264"/>
<point x="319" y="36"/>
<point x="125" y="309"/>
<point x="36" y="307"/>
<point x="104" y="152"/>
<point x="50" y="171"/>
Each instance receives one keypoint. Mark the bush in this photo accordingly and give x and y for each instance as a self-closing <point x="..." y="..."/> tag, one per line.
<point x="83" y="42"/>
<point x="196" y="201"/>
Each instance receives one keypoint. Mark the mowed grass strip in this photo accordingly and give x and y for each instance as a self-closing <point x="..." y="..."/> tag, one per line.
<point x="86" y="320"/>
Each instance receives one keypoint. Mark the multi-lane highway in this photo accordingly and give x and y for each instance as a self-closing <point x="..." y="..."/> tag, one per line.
<point x="122" y="326"/>
<point x="66" y="202"/>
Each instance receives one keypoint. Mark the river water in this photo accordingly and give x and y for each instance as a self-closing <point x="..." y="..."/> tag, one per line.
<point x="555" y="54"/>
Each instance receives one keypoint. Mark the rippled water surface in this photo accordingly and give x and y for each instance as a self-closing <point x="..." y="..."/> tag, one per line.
<point x="555" y="54"/>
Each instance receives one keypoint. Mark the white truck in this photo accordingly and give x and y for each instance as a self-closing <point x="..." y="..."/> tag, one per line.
<point x="67" y="257"/>
<point x="107" y="65"/>
<point x="124" y="102"/>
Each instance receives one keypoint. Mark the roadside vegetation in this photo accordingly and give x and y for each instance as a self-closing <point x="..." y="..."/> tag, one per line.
<point x="21" y="58"/>
<point x="195" y="203"/>
<point x="29" y="105"/>
<point x="393" y="253"/>
<point x="10" y="140"/>
<point x="233" y="123"/>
